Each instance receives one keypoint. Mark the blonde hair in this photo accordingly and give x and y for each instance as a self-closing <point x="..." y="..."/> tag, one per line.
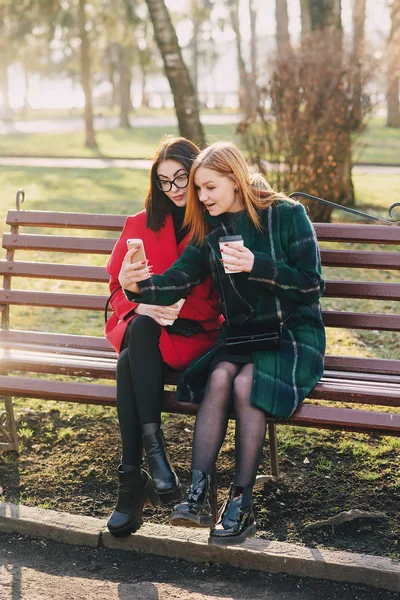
<point x="254" y="190"/>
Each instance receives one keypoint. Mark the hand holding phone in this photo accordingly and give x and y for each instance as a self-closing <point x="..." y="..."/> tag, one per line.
<point x="134" y="268"/>
<point x="140" y="255"/>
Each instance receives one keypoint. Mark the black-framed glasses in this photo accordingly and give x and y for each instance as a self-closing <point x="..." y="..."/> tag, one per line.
<point x="165" y="185"/>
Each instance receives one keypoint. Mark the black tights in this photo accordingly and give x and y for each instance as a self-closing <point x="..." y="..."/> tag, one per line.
<point x="140" y="374"/>
<point x="229" y="387"/>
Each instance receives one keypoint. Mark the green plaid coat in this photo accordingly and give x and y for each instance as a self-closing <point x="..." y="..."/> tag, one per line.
<point x="286" y="275"/>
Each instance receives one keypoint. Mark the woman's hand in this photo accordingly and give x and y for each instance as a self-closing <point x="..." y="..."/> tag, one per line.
<point x="160" y="314"/>
<point x="237" y="258"/>
<point x="133" y="272"/>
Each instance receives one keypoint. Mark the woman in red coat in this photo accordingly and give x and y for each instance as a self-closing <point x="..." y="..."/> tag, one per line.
<point x="146" y="345"/>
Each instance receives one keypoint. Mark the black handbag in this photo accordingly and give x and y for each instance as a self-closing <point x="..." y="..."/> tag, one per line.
<point x="237" y="343"/>
<point x="185" y="327"/>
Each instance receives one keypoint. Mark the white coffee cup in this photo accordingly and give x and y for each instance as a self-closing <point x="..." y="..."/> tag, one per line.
<point x="171" y="321"/>
<point x="234" y="241"/>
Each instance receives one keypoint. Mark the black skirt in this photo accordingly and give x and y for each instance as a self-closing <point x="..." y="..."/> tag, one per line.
<point x="237" y="359"/>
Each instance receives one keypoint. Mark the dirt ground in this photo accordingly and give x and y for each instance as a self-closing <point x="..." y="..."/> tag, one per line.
<point x="33" y="569"/>
<point x="68" y="461"/>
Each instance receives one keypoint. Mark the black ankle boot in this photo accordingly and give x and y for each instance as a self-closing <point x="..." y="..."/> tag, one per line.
<point x="166" y="482"/>
<point x="135" y="490"/>
<point x="195" y="510"/>
<point x="235" y="522"/>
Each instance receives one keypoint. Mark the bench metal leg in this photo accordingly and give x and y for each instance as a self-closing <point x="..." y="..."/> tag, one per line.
<point x="8" y="427"/>
<point x="213" y="494"/>
<point x="273" y="449"/>
<point x="273" y="456"/>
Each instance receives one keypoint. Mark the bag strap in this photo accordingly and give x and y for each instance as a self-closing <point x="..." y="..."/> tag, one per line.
<point x="108" y="302"/>
<point x="222" y="288"/>
<point x="223" y="295"/>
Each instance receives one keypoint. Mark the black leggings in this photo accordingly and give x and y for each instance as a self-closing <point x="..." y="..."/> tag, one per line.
<point x="140" y="375"/>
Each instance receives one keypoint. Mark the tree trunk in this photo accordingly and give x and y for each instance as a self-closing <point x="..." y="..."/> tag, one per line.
<point x="6" y="111"/>
<point x="143" y="69"/>
<point x="26" y="104"/>
<point x="111" y="49"/>
<point x="194" y="45"/>
<point x="125" y="77"/>
<point x="186" y="104"/>
<point x="326" y="18"/>
<point x="245" y="96"/>
<point x="305" y="19"/>
<point x="90" y="138"/>
<point x="253" y="42"/>
<point x="325" y="13"/>
<point x="393" y="106"/>
<point x="358" y="55"/>
<point x="282" y="27"/>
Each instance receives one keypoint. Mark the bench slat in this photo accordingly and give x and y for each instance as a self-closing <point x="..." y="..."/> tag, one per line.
<point x="28" y="361"/>
<point x="42" y="218"/>
<point x="53" y="271"/>
<point x="306" y="415"/>
<point x="53" y="299"/>
<point x="33" y="241"/>
<point x="65" y="391"/>
<point x="362" y="365"/>
<point x="374" y="391"/>
<point x="92" y="302"/>
<point x="15" y="337"/>
<point x="365" y="259"/>
<point x="342" y="289"/>
<point x="327" y="417"/>
<point x="33" y="342"/>
<point x="383" y="394"/>
<point x="39" y="339"/>
<point x="349" y="320"/>
<point x="358" y="376"/>
<point x="43" y="360"/>
<point x="383" y="234"/>
<point x="362" y="289"/>
<point x="378" y="234"/>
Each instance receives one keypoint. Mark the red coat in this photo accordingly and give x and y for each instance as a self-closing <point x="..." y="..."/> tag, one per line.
<point x="202" y="304"/>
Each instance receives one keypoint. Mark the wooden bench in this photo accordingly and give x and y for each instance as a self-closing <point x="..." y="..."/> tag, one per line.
<point x="54" y="283"/>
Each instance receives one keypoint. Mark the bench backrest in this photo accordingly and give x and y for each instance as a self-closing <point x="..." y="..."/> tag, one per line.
<point x="353" y="300"/>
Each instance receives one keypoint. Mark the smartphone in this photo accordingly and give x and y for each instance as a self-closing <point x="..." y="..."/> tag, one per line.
<point x="140" y="254"/>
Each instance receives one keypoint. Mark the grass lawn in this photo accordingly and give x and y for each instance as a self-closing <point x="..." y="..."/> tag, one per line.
<point x="139" y="142"/>
<point x="377" y="145"/>
<point x="122" y="190"/>
<point x="112" y="191"/>
<point x="69" y="452"/>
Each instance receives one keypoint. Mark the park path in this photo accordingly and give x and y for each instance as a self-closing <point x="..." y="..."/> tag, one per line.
<point x="132" y="163"/>
<point x="38" y="569"/>
<point x="77" y="124"/>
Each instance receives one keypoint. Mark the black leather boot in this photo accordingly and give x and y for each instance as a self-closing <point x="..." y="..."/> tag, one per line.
<point x="195" y="510"/>
<point x="235" y="521"/>
<point x="166" y="482"/>
<point x="135" y="490"/>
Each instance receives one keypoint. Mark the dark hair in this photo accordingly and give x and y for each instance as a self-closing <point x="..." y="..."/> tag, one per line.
<point x="157" y="204"/>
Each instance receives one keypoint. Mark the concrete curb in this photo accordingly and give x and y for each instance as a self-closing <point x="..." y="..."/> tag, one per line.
<point x="191" y="545"/>
<point x="50" y="524"/>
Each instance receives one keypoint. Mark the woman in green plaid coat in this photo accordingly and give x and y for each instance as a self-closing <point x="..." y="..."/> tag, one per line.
<point x="272" y="282"/>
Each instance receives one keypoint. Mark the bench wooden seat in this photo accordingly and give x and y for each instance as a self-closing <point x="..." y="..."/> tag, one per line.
<point x="326" y="417"/>
<point x="29" y="359"/>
